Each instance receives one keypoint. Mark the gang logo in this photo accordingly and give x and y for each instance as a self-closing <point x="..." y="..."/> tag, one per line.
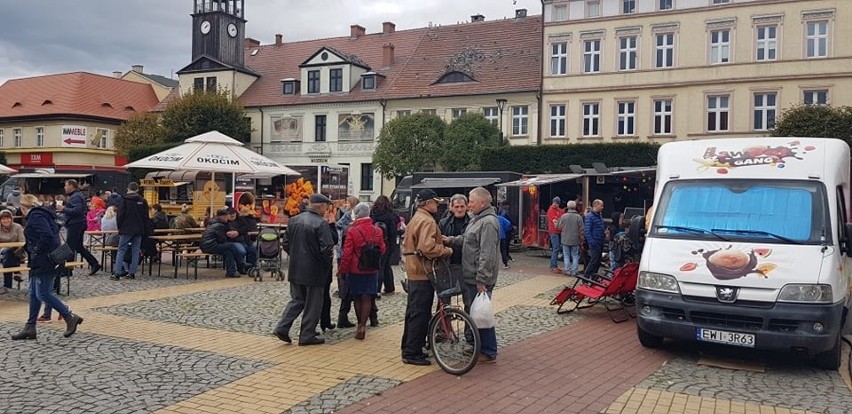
<point x="761" y="155"/>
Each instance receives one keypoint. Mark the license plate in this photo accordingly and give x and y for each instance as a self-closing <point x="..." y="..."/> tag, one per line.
<point x="725" y="337"/>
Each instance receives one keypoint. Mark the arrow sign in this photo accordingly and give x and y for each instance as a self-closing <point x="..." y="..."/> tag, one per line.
<point x="70" y="141"/>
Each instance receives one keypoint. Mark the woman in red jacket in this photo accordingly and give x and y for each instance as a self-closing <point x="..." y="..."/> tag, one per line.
<point x="361" y="274"/>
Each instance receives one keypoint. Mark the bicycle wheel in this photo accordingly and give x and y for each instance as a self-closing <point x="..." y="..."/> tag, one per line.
<point x="453" y="353"/>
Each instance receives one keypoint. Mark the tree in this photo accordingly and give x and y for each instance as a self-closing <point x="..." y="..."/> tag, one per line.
<point x="465" y="139"/>
<point x="200" y="112"/>
<point x="141" y="130"/>
<point x="408" y="144"/>
<point x="820" y="121"/>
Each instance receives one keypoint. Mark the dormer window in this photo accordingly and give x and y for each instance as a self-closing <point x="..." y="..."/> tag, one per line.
<point x="313" y="81"/>
<point x="455" y="77"/>
<point x="368" y="81"/>
<point x="289" y="86"/>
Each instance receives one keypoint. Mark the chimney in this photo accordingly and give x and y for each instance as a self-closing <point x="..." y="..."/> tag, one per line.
<point x="116" y="74"/>
<point x="387" y="55"/>
<point x="477" y="18"/>
<point x="278" y="39"/>
<point x="356" y="31"/>
<point x="388" y="28"/>
<point x="250" y="43"/>
<point x="520" y="13"/>
<point x="137" y="68"/>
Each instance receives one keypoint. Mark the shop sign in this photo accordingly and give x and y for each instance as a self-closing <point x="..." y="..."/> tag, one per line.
<point x="74" y="136"/>
<point x="37" y="158"/>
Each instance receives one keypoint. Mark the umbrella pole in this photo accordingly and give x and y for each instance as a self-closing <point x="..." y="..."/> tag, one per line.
<point x="213" y="189"/>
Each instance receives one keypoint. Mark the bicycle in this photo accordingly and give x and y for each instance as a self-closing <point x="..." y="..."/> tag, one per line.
<point x="453" y="336"/>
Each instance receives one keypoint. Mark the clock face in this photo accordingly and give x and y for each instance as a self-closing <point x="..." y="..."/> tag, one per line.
<point x="205" y="27"/>
<point x="232" y="30"/>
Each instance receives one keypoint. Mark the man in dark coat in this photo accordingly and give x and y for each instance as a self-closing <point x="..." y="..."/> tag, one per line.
<point x="310" y="244"/>
<point x="593" y="228"/>
<point x="133" y="224"/>
<point x="218" y="239"/>
<point x="75" y="209"/>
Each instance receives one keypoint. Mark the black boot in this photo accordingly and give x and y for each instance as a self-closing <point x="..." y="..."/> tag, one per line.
<point x="374" y="314"/>
<point x="71" y="322"/>
<point x="343" y="321"/>
<point x="29" y="332"/>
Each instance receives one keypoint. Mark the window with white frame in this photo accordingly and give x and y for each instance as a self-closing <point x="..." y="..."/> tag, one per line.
<point x="458" y="112"/>
<point x="765" y="108"/>
<point x="492" y="114"/>
<point x="665" y="50"/>
<point x="16" y="133"/>
<point x="557" y="120"/>
<point x="628" y="6"/>
<point x="313" y="81"/>
<point x="721" y="1"/>
<point x="429" y="111"/>
<point x="591" y="119"/>
<point x="592" y="56"/>
<point x="404" y="112"/>
<point x="810" y="97"/>
<point x="627" y="55"/>
<point x="626" y="125"/>
<point x="520" y="120"/>
<point x="560" y="12"/>
<point x="665" y="4"/>
<point x="335" y="80"/>
<point x="103" y="140"/>
<point x="663" y="110"/>
<point x="817" y="39"/>
<point x="593" y="8"/>
<point x="39" y="137"/>
<point x="767" y="43"/>
<point x="720" y="46"/>
<point x="718" y="113"/>
<point x="559" y="58"/>
<point x="2" y="139"/>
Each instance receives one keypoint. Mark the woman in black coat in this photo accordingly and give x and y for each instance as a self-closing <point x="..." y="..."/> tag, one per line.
<point x="42" y="237"/>
<point x="384" y="217"/>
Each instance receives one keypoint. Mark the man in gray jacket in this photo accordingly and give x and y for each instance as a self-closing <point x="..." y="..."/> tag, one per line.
<point x="571" y="227"/>
<point x="480" y="245"/>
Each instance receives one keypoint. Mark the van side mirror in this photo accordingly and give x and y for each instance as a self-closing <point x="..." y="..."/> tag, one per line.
<point x="847" y="245"/>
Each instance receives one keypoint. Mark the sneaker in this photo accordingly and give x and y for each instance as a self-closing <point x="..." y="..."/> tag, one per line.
<point x="555" y="270"/>
<point x="485" y="359"/>
<point x="43" y="318"/>
<point x="505" y="266"/>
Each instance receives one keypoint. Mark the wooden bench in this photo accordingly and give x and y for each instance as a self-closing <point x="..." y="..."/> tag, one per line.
<point x="192" y="256"/>
<point x="106" y="251"/>
<point x="24" y="269"/>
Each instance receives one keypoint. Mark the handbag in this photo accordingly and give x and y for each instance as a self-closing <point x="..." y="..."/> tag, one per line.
<point x="61" y="254"/>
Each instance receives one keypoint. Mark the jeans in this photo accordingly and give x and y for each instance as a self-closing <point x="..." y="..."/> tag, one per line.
<point x="41" y="285"/>
<point x="303" y="298"/>
<point x="571" y="256"/>
<point x="418" y="312"/>
<point x="488" y="336"/>
<point x="504" y="251"/>
<point x="594" y="261"/>
<point x="248" y="252"/>
<point x="9" y="259"/>
<point x="231" y="252"/>
<point x="555" y="246"/>
<point x="127" y="242"/>
<point x="75" y="241"/>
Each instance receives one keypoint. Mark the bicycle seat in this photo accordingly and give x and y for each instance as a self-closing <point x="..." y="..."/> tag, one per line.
<point x="450" y="292"/>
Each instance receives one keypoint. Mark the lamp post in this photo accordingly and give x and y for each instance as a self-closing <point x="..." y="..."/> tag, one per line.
<point x="501" y="104"/>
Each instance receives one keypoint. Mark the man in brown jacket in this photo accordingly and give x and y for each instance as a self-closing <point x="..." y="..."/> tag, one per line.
<point x="422" y="243"/>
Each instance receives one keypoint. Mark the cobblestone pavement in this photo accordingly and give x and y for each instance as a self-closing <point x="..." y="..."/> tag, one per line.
<point x="93" y="373"/>
<point x="347" y="393"/>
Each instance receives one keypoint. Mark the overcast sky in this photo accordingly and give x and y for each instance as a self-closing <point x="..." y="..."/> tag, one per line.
<point x="40" y="37"/>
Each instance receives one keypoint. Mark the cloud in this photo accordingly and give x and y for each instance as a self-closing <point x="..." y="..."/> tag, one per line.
<point x="101" y="36"/>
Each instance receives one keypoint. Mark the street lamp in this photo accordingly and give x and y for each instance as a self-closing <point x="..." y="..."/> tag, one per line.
<point x="501" y="104"/>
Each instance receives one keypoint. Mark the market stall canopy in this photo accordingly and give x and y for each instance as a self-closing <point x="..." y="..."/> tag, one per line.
<point x="6" y="170"/>
<point x="541" y="179"/>
<point x="460" y="182"/>
<point x="215" y="152"/>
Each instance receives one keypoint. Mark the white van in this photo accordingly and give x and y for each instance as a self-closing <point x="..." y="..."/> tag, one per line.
<point x="748" y="246"/>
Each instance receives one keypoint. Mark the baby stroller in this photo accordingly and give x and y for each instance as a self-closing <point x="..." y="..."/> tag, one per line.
<point x="269" y="256"/>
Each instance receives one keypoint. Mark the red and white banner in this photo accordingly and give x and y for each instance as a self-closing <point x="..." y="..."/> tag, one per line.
<point x="74" y="136"/>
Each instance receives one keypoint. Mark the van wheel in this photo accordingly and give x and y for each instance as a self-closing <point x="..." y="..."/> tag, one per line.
<point x="647" y="340"/>
<point x="830" y="359"/>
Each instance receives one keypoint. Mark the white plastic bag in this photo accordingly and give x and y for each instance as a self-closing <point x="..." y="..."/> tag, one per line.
<point x="482" y="312"/>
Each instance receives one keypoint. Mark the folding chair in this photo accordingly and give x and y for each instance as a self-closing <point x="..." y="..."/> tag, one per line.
<point x="616" y="294"/>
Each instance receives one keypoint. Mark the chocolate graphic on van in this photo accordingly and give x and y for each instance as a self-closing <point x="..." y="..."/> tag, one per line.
<point x="776" y="157"/>
<point x="726" y="263"/>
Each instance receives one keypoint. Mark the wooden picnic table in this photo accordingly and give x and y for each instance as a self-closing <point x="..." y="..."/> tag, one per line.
<point x="167" y="231"/>
<point x="11" y="245"/>
<point x="195" y="229"/>
<point x="174" y="242"/>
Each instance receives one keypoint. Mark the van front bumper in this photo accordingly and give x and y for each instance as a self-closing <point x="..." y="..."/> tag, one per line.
<point x="776" y="326"/>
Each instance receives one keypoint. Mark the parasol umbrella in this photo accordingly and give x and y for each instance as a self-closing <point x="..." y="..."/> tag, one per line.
<point x="214" y="152"/>
<point x="6" y="170"/>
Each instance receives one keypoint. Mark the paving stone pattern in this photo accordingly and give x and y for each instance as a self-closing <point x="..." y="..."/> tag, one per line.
<point x="100" y="374"/>
<point x="347" y="393"/>
<point x="785" y="383"/>
<point x="521" y="322"/>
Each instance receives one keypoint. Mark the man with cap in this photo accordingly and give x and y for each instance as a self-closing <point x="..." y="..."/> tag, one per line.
<point x="310" y="243"/>
<point x="421" y="245"/>
<point x="217" y="239"/>
<point x="553" y="215"/>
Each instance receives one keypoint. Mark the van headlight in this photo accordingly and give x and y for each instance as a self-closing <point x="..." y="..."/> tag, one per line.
<point x="806" y="293"/>
<point x="658" y="282"/>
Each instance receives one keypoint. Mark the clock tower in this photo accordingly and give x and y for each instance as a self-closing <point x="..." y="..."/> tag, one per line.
<point x="218" y="32"/>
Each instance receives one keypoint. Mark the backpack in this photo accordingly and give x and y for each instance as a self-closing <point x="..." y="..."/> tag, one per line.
<point x="371" y="255"/>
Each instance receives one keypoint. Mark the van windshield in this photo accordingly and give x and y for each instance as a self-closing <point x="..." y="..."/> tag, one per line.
<point x="744" y="210"/>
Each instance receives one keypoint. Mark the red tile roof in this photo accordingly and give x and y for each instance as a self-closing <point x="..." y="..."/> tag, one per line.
<point x="502" y="56"/>
<point x="77" y="93"/>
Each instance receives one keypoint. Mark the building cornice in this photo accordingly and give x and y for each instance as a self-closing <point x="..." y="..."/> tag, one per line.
<point x="61" y="117"/>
